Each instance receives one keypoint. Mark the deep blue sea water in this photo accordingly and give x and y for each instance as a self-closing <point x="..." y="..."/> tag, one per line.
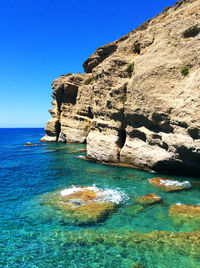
<point x="34" y="235"/>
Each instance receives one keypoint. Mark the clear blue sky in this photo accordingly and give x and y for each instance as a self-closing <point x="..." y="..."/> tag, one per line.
<point x="40" y="40"/>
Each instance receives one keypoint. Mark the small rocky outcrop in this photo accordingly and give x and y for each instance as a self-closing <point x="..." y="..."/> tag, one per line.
<point x="169" y="185"/>
<point x="84" y="205"/>
<point x="139" y="101"/>
<point x="148" y="199"/>
<point x="29" y="144"/>
<point x="181" y="212"/>
<point x="72" y="110"/>
<point x="32" y="144"/>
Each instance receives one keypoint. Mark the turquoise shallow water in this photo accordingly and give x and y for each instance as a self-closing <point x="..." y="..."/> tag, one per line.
<point x="34" y="235"/>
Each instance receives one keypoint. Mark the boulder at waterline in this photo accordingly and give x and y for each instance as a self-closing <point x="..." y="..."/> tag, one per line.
<point x="169" y="185"/>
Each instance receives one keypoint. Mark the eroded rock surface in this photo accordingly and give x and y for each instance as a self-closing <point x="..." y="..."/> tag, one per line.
<point x="141" y="103"/>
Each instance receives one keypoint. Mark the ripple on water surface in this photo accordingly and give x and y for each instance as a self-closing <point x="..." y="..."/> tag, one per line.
<point x="35" y="235"/>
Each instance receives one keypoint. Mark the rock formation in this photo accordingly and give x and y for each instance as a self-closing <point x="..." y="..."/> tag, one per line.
<point x="169" y="185"/>
<point x="139" y="100"/>
<point x="182" y="213"/>
<point x="85" y="205"/>
<point x="148" y="199"/>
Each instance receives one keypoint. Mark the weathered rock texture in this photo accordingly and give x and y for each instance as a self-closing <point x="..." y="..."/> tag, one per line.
<point x="148" y="117"/>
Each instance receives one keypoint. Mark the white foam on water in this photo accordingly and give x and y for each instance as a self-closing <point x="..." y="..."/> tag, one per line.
<point x="184" y="184"/>
<point x="113" y="196"/>
<point x="71" y="190"/>
<point x="106" y="195"/>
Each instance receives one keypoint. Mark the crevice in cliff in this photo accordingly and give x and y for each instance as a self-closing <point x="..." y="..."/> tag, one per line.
<point x="158" y="122"/>
<point x="90" y="113"/>
<point x="58" y="129"/>
<point x="122" y="137"/>
<point x="136" y="48"/>
<point x="65" y="95"/>
<point x="122" y="131"/>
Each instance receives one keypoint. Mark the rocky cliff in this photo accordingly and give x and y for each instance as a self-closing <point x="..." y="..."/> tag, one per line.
<point x="139" y="100"/>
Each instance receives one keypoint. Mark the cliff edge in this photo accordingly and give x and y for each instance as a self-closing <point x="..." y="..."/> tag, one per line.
<point x="139" y="100"/>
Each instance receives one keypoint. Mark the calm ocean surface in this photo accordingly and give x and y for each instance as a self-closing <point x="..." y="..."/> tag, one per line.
<point x="35" y="235"/>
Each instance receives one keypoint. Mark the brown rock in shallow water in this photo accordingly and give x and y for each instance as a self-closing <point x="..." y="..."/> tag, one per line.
<point x="183" y="244"/>
<point x="91" y="212"/>
<point x="85" y="205"/>
<point x="32" y="144"/>
<point x="149" y="199"/>
<point x="185" y="211"/>
<point x="29" y="144"/>
<point x="169" y="185"/>
<point x="82" y="195"/>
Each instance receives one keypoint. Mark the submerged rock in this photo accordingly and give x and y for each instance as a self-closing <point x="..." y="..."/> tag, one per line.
<point x="148" y="199"/>
<point x="85" y="205"/>
<point x="169" y="185"/>
<point x="32" y="144"/>
<point x="184" y="243"/>
<point x="185" y="212"/>
<point x="134" y="209"/>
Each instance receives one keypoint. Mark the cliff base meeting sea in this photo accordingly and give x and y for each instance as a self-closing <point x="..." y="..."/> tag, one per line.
<point x="136" y="224"/>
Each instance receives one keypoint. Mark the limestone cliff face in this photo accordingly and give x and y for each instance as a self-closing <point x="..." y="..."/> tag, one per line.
<point x="139" y="101"/>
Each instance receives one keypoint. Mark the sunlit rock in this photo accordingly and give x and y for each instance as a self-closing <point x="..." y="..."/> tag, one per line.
<point x="86" y="205"/>
<point x="185" y="212"/>
<point x="169" y="185"/>
<point x="148" y="199"/>
<point x="28" y="144"/>
<point x="32" y="144"/>
<point x="184" y="243"/>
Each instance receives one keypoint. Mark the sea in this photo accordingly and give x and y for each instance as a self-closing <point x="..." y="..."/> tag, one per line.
<point x="35" y="235"/>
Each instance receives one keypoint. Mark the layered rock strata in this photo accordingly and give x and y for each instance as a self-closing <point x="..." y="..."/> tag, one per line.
<point x="139" y="101"/>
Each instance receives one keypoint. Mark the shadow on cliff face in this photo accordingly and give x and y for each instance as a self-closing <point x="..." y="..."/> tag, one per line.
<point x="65" y="95"/>
<point x="185" y="167"/>
<point x="70" y="94"/>
<point x="122" y="138"/>
<point x="191" y="32"/>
